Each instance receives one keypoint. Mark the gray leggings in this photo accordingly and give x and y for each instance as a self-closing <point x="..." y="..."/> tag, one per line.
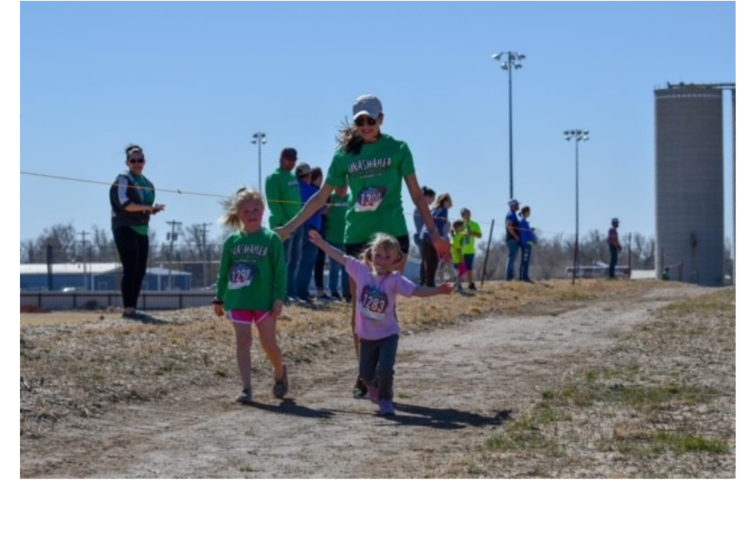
<point x="377" y="358"/>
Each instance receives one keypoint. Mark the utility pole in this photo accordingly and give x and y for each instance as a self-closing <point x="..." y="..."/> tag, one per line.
<point x="259" y="138"/>
<point x="171" y="237"/>
<point x="83" y="256"/>
<point x="510" y="61"/>
<point x="206" y="280"/>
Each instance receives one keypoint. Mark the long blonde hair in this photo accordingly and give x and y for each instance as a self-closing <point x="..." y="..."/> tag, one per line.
<point x="385" y="242"/>
<point x="232" y="206"/>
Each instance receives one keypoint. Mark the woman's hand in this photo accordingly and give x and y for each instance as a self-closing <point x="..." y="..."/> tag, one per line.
<point x="219" y="310"/>
<point x="443" y="249"/>
<point x="283" y="232"/>
<point x="156" y="208"/>
<point x="278" y="305"/>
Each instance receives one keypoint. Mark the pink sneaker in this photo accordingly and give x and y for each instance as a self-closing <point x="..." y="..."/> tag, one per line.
<point x="372" y="394"/>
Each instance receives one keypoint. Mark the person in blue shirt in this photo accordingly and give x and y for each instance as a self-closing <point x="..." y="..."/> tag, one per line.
<point x="309" y="252"/>
<point x="528" y="239"/>
<point x="512" y="239"/>
<point x="430" y="255"/>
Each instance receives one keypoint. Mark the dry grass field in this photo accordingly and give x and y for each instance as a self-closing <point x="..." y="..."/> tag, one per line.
<point x="601" y="379"/>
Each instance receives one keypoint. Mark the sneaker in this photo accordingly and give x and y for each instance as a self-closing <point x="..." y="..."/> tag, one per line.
<point x="246" y="396"/>
<point x="360" y="389"/>
<point x="386" y="407"/>
<point x="472" y="286"/>
<point x="372" y="394"/>
<point x="135" y="314"/>
<point x="336" y="296"/>
<point x="280" y="388"/>
<point x="324" y="297"/>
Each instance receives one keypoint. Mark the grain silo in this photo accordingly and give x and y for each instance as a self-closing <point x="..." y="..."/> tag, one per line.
<point x="734" y="146"/>
<point x="690" y="183"/>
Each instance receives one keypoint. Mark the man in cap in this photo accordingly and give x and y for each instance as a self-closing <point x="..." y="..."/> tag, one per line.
<point x="512" y="238"/>
<point x="613" y="240"/>
<point x="283" y="196"/>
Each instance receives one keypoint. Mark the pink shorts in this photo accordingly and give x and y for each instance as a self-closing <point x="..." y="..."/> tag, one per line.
<point x="461" y="269"/>
<point x="246" y="316"/>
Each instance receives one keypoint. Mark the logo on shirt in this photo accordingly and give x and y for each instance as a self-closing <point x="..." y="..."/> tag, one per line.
<point x="373" y="302"/>
<point x="250" y="250"/>
<point x="361" y="166"/>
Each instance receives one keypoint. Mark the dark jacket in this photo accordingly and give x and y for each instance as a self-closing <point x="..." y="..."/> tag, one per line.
<point x="125" y="191"/>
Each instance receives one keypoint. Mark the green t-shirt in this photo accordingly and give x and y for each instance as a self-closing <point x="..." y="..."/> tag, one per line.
<point x="253" y="271"/>
<point x="336" y="219"/>
<point x="148" y="194"/>
<point x="283" y="197"/>
<point x="374" y="177"/>
<point x="470" y="241"/>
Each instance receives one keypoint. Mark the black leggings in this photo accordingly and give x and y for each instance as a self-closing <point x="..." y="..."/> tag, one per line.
<point x="430" y="260"/>
<point x="133" y="250"/>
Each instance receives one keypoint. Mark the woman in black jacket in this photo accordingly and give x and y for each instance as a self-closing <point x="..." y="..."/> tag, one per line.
<point x="132" y="198"/>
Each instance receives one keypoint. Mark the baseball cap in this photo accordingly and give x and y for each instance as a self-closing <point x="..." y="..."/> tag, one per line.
<point x="302" y="169"/>
<point x="615" y="221"/>
<point x="289" y="154"/>
<point x="367" y="104"/>
<point x="513" y="201"/>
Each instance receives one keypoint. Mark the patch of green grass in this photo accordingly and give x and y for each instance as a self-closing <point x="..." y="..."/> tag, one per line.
<point x="722" y="301"/>
<point x="576" y="296"/>
<point x="662" y="395"/>
<point x="548" y="395"/>
<point x="523" y="434"/>
<point x="690" y="443"/>
<point x="550" y="415"/>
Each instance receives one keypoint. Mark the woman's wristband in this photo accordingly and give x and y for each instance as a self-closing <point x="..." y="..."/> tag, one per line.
<point x="217" y="301"/>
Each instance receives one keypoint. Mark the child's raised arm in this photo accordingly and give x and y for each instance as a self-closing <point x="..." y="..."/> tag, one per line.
<point x="424" y="292"/>
<point x="333" y="253"/>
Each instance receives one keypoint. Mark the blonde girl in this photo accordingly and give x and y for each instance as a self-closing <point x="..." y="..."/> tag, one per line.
<point x="251" y="287"/>
<point x="378" y="285"/>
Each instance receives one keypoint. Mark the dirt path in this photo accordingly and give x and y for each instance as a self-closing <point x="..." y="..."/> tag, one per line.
<point x="455" y="387"/>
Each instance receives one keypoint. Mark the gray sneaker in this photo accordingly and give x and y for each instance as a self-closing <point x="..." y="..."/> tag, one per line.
<point x="246" y="396"/>
<point x="280" y="388"/>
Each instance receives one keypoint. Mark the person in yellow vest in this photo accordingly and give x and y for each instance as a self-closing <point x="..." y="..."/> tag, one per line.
<point x="473" y="231"/>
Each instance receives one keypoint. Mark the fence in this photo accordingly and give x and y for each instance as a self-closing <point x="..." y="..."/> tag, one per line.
<point x="92" y="300"/>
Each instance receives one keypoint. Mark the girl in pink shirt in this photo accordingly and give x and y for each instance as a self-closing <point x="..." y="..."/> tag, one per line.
<point x="378" y="285"/>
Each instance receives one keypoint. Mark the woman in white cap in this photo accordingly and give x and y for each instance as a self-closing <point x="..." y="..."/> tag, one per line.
<point x="374" y="165"/>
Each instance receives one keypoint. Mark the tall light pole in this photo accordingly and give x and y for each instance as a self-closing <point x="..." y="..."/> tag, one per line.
<point x="259" y="138"/>
<point x="510" y="61"/>
<point x="576" y="135"/>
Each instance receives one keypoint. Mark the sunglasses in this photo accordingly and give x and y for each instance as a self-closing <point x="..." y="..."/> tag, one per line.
<point x="136" y="160"/>
<point x="365" y="120"/>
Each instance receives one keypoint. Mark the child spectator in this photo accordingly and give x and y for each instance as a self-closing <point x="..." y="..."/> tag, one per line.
<point x="457" y="250"/>
<point x="528" y="239"/>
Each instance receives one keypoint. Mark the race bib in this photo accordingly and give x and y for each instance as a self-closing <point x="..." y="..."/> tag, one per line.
<point x="240" y="276"/>
<point x="373" y="303"/>
<point x="369" y="199"/>
<point x="467" y="240"/>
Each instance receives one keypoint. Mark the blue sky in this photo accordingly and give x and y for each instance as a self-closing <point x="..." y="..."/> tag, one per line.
<point x="191" y="83"/>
